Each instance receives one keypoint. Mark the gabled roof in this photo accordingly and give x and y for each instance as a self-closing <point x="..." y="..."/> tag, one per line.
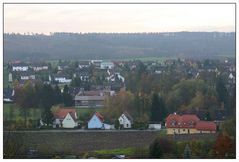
<point x="184" y="121"/>
<point x="128" y="116"/>
<point x="99" y="116"/>
<point x="62" y="112"/>
<point x="206" y="126"/>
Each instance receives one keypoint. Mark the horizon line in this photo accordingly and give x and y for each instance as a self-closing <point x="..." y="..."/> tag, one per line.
<point x="51" y="33"/>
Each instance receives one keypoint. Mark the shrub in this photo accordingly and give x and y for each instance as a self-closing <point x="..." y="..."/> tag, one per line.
<point x="160" y="148"/>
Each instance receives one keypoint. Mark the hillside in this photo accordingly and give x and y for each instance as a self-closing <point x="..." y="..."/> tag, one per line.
<point x="118" y="45"/>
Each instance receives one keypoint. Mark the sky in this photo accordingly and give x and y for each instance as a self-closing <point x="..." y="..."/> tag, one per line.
<point x="46" y="18"/>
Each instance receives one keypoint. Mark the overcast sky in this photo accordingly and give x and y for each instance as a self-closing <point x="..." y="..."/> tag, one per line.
<point x="46" y="18"/>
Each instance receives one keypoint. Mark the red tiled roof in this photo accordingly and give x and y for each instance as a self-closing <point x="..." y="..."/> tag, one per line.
<point x="206" y="126"/>
<point x="184" y="121"/>
<point x="62" y="112"/>
<point x="99" y="116"/>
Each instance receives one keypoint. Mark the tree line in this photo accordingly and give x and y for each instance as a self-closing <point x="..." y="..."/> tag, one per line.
<point x="42" y="96"/>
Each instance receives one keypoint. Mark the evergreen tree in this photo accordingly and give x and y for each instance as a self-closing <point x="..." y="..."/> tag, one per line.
<point x="221" y="90"/>
<point x="57" y="95"/>
<point x="67" y="98"/>
<point x="223" y="95"/>
<point x="76" y="82"/>
<point x="47" y="116"/>
<point x="187" y="152"/>
<point x="157" y="108"/>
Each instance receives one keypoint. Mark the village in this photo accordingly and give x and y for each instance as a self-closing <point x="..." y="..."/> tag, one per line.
<point x="91" y="82"/>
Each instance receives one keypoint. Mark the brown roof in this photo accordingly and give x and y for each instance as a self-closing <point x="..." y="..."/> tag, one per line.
<point x="206" y="126"/>
<point x="62" y="112"/>
<point x="99" y="116"/>
<point x="184" y="121"/>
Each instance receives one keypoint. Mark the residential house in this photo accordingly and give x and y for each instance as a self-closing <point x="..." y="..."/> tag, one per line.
<point x="115" y="76"/>
<point x="96" y="121"/>
<point x="84" y="64"/>
<point x="155" y="126"/>
<point x="65" y="118"/>
<point x="108" y="125"/>
<point x="61" y="78"/>
<point x="107" y="65"/>
<point x="39" y="66"/>
<point x="90" y="99"/>
<point x="231" y="79"/>
<point x="188" y="124"/>
<point x="125" y="120"/>
<point x="83" y="74"/>
<point x="20" y="67"/>
<point x="96" y="63"/>
<point x="8" y="94"/>
<point x="27" y="76"/>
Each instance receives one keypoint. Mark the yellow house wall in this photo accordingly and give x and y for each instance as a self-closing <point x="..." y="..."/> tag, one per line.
<point x="185" y="131"/>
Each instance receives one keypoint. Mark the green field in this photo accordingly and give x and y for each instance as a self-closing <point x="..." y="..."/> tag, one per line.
<point x="12" y="112"/>
<point x="144" y="59"/>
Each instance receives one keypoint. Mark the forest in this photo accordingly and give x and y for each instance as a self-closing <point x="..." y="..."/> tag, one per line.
<point x="200" y="45"/>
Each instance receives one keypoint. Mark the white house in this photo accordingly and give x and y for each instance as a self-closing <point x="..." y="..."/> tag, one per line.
<point x="231" y="78"/>
<point x="96" y="121"/>
<point x="61" y="78"/>
<point x="84" y="64"/>
<point x="39" y="67"/>
<point x="155" y="126"/>
<point x="108" y="126"/>
<point x="65" y="118"/>
<point x="106" y="65"/>
<point x="69" y="121"/>
<point x="114" y="76"/>
<point x="19" y="67"/>
<point x="125" y="120"/>
<point x="27" y="76"/>
<point x="96" y="63"/>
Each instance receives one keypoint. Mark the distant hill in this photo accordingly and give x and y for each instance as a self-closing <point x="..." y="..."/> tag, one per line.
<point x="118" y="45"/>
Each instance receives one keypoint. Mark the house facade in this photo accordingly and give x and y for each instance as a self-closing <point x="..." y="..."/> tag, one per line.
<point x="107" y="65"/>
<point x="20" y="67"/>
<point x="39" y="67"/>
<point x="84" y="64"/>
<point x="61" y="78"/>
<point x="27" y="76"/>
<point x="69" y="121"/>
<point x="188" y="124"/>
<point x="125" y="120"/>
<point x="155" y="126"/>
<point x="90" y="99"/>
<point x="96" y="121"/>
<point x="65" y="118"/>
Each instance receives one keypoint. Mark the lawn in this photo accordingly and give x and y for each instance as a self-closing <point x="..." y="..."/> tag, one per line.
<point x="12" y="112"/>
<point x="121" y="151"/>
<point x="85" y="113"/>
<point x="144" y="59"/>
